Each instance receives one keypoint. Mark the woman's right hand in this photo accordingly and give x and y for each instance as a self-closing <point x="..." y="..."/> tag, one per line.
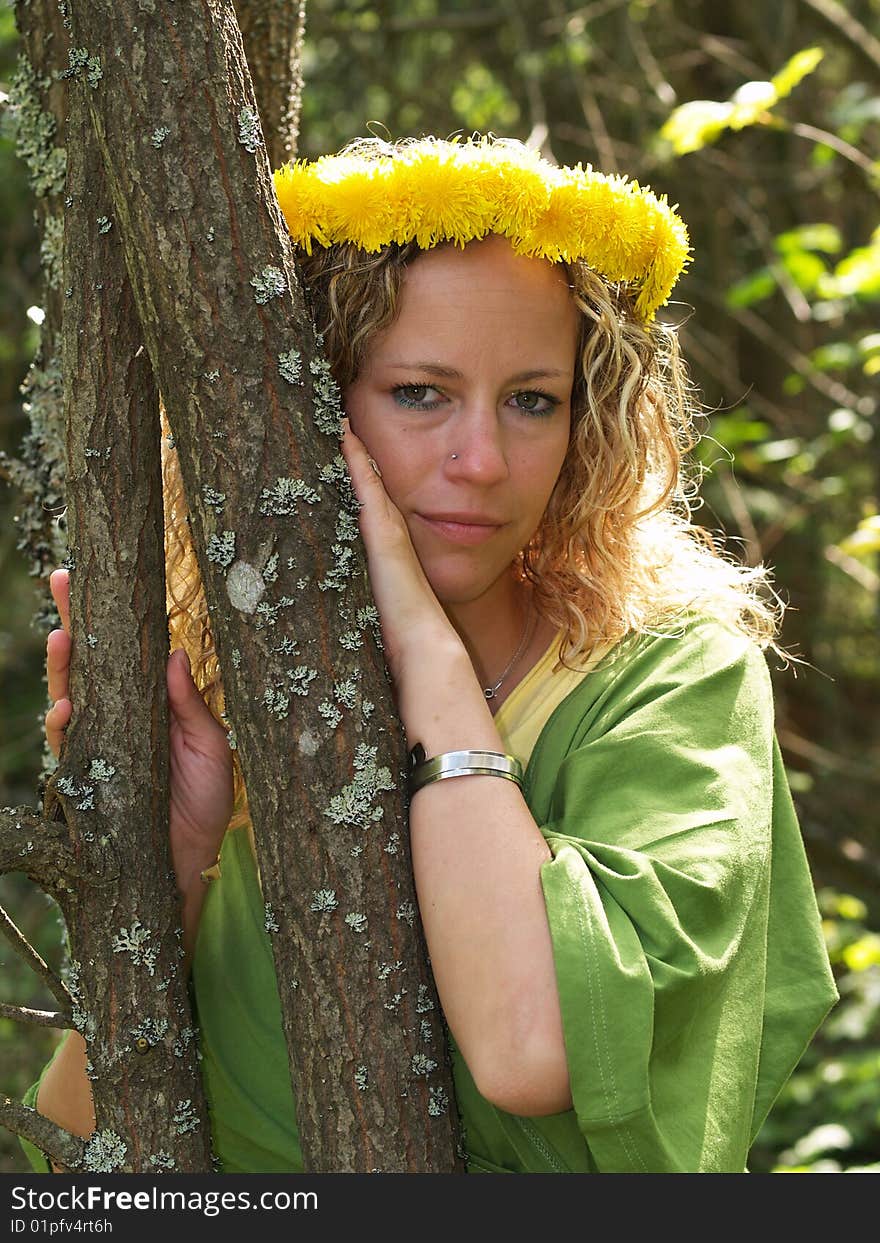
<point x="200" y="758"/>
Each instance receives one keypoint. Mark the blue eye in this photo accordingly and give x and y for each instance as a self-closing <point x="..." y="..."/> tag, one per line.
<point x="530" y="403"/>
<point x="413" y="396"/>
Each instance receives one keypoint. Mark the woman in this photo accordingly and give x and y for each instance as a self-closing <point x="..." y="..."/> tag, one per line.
<point x="625" y="942"/>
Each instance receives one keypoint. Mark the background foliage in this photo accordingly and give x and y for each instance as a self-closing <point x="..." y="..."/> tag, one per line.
<point x="779" y="184"/>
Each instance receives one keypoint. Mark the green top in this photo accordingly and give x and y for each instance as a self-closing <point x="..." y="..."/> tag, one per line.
<point x="690" y="963"/>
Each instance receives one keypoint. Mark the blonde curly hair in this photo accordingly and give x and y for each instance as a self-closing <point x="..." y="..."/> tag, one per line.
<point x="617" y="553"/>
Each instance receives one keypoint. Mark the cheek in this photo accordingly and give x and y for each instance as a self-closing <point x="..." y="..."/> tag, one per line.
<point x="553" y="462"/>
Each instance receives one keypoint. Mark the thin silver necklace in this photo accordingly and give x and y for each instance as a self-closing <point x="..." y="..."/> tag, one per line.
<point x="491" y="691"/>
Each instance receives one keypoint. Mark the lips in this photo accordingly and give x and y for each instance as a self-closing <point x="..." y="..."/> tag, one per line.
<point x="461" y="528"/>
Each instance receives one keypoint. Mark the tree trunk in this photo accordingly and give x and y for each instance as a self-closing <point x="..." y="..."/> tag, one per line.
<point x="127" y="994"/>
<point x="273" y="32"/>
<point x="255" y="418"/>
<point x="39" y="108"/>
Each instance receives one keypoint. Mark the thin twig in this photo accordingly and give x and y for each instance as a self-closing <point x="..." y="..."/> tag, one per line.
<point x="42" y="1018"/>
<point x="800" y="307"/>
<point x="723" y="51"/>
<point x="63" y="1148"/>
<point x="822" y="758"/>
<point x="753" y="551"/>
<point x="862" y="574"/>
<point x="849" y="27"/>
<point x="824" y="136"/>
<point x="701" y="346"/>
<point x="23" y="947"/>
<point x="759" y="328"/>
<point x="583" y="16"/>
<point x="654" y="76"/>
<point x="592" y="112"/>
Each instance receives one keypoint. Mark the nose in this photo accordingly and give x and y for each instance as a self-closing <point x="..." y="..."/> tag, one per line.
<point x="476" y="450"/>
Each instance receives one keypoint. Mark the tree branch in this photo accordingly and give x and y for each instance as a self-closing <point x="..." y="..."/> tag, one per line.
<point x="849" y="28"/>
<point x="32" y="844"/>
<point x="862" y="574"/>
<point x="764" y="332"/>
<point x="41" y="1018"/>
<point x="827" y="139"/>
<point x="592" y="112"/>
<point x="23" y="947"/>
<point x="62" y="1147"/>
<point x="654" y="75"/>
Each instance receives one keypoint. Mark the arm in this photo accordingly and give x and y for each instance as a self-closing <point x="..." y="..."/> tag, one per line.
<point x="477" y="855"/>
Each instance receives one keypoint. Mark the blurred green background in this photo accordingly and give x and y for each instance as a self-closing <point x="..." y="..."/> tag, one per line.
<point x="770" y="150"/>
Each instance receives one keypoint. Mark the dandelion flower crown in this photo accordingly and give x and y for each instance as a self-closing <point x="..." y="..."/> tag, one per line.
<point x="432" y="190"/>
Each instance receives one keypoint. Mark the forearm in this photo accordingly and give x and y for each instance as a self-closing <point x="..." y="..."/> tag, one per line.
<point x="192" y="890"/>
<point x="477" y="855"/>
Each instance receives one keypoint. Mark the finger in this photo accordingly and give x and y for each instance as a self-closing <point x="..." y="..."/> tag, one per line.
<point x="57" y="720"/>
<point x="59" y="585"/>
<point x="184" y="698"/>
<point x="58" y="664"/>
<point x="366" y="477"/>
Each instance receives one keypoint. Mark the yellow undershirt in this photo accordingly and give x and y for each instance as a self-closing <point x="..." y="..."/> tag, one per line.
<point x="530" y="704"/>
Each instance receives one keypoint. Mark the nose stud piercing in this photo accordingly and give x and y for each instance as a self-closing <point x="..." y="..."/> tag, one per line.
<point x="455" y="457"/>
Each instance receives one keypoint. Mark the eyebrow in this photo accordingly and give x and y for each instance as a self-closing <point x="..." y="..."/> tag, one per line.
<point x="450" y="373"/>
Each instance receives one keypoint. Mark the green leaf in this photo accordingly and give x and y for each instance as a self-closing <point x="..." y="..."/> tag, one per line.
<point x="780" y="450"/>
<point x="804" y="268"/>
<point x="863" y="953"/>
<point x="699" y="122"/>
<point x="835" y="356"/>
<point x="865" y="539"/>
<point x="750" y="103"/>
<point x="738" y="428"/>
<point x="820" y="236"/>
<point x="756" y="287"/>
<point x="796" y="69"/>
<point x="870" y="345"/>
<point x="857" y="274"/>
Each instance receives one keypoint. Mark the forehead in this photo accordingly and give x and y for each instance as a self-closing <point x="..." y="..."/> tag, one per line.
<point x="484" y="296"/>
<point x="484" y="266"/>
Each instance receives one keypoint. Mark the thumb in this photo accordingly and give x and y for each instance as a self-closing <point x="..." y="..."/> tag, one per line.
<point x="184" y="697"/>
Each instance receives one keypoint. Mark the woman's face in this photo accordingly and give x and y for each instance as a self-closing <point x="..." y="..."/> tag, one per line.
<point x="465" y="404"/>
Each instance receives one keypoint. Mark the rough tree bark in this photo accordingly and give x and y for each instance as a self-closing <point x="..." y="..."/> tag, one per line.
<point x="255" y="418"/>
<point x="127" y="994"/>
<point x="273" y="32"/>
<point x="39" y="111"/>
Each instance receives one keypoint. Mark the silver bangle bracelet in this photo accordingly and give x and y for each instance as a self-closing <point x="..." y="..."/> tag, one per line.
<point x="423" y="771"/>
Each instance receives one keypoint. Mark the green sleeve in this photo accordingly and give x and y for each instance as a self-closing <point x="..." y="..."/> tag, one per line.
<point x="687" y="943"/>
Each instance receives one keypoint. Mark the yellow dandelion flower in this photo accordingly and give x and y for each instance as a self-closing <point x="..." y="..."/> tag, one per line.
<point x="301" y="200"/>
<point x="514" y="182"/>
<point x="446" y="202"/>
<point x="432" y="190"/>
<point x="359" y="209"/>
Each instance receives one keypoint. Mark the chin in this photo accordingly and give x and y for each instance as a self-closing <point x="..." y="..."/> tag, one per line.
<point x="456" y="589"/>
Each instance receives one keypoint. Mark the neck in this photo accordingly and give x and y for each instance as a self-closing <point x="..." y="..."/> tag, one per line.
<point x="491" y="629"/>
